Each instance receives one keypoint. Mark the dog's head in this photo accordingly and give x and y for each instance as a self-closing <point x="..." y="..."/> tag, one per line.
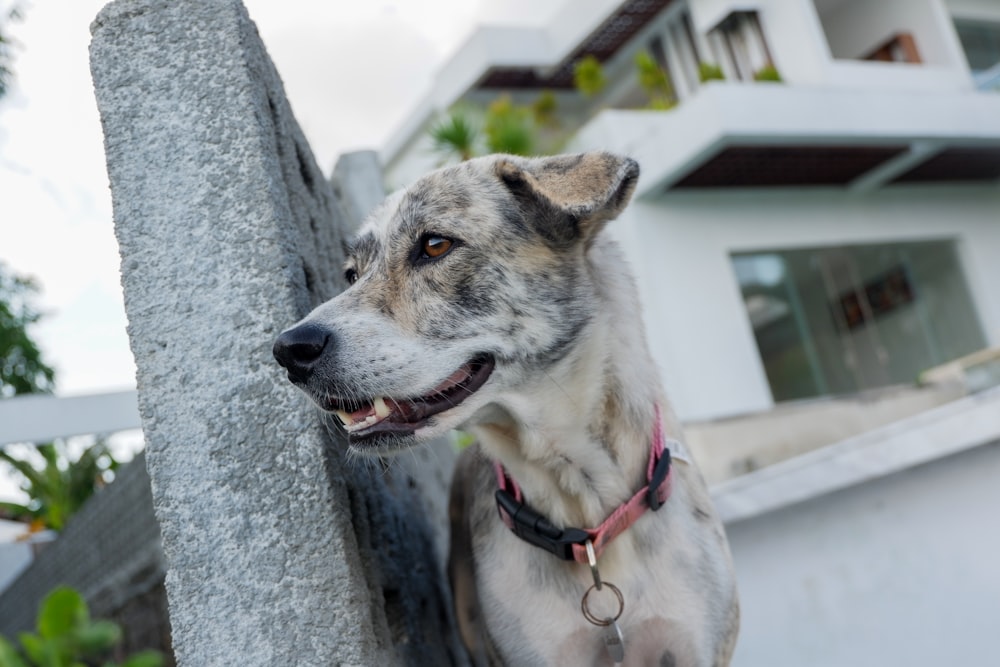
<point x="462" y="287"/>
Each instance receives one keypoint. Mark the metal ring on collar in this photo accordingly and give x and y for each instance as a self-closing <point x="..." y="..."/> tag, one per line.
<point x="587" y="614"/>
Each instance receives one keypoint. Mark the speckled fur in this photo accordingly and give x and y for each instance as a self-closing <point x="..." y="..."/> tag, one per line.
<point x="535" y="281"/>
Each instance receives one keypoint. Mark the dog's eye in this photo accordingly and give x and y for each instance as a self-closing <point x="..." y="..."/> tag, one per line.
<point x="351" y="276"/>
<point x="435" y="246"/>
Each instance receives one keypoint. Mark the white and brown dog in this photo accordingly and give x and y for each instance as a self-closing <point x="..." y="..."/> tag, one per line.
<point x="488" y="297"/>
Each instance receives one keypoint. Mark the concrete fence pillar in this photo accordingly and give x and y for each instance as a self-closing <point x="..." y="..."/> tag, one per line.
<point x="279" y="551"/>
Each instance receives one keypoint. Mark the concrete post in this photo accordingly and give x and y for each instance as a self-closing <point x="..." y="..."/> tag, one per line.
<point x="357" y="180"/>
<point x="279" y="552"/>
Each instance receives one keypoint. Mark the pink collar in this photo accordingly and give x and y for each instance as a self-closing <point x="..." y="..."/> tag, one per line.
<point x="570" y="543"/>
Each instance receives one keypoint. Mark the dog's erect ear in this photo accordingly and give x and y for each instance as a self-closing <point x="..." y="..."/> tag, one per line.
<point x="570" y="197"/>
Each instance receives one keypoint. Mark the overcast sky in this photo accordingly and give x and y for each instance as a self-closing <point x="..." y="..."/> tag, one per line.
<point x="352" y="70"/>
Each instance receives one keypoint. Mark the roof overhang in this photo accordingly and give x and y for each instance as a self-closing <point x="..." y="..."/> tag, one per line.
<point x="768" y="135"/>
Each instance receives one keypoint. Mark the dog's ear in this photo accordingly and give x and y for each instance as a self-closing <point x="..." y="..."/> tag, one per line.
<point x="570" y="197"/>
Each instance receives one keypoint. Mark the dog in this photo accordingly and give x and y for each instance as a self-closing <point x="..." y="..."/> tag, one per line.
<point x="488" y="296"/>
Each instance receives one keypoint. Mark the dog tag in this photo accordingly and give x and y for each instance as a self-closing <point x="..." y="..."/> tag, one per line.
<point x="614" y="641"/>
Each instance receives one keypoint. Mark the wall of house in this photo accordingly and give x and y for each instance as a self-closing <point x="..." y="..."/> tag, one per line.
<point x="896" y="571"/>
<point x="855" y="28"/>
<point x="680" y="248"/>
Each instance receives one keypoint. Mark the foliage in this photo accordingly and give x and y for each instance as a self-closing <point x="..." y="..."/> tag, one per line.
<point x="509" y="128"/>
<point x="710" y="72"/>
<point x="61" y="486"/>
<point x="22" y="370"/>
<point x="6" y="55"/>
<point x="462" y="439"/>
<point x="505" y="127"/>
<point x="588" y="76"/>
<point x="654" y="81"/>
<point x="544" y="109"/>
<point x="66" y="637"/>
<point x="767" y="73"/>
<point x="456" y="136"/>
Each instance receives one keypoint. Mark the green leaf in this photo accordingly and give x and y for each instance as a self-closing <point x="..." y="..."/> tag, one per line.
<point x="509" y="128"/>
<point x="145" y="659"/>
<point x="710" y="72"/>
<point x="456" y="136"/>
<point x="15" y="510"/>
<point x="34" y="477"/>
<point x="97" y="637"/>
<point x="588" y="76"/>
<point x="63" y="611"/>
<point x="33" y="647"/>
<point x="9" y="656"/>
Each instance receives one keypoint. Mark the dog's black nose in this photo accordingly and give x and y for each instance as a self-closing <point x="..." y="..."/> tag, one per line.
<point x="298" y="349"/>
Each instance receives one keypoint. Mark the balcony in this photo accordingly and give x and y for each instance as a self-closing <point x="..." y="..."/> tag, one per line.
<point x="871" y="94"/>
<point x="760" y="135"/>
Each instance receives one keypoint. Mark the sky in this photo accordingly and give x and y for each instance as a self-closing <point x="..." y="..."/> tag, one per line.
<point x="352" y="70"/>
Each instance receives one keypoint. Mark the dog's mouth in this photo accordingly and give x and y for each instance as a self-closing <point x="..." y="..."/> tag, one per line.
<point x="364" y="418"/>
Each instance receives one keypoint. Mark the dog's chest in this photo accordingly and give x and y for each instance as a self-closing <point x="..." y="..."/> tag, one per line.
<point x="534" y="608"/>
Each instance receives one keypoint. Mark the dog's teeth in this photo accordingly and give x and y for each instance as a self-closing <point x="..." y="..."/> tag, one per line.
<point x="344" y="417"/>
<point x="381" y="409"/>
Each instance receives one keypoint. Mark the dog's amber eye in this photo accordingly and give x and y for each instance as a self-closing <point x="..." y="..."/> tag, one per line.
<point x="436" y="246"/>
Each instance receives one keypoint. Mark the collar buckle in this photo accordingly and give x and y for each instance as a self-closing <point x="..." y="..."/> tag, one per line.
<point x="660" y="472"/>
<point x="535" y="529"/>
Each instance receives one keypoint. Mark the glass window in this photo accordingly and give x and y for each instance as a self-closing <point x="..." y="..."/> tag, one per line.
<point x="981" y="43"/>
<point x="838" y="320"/>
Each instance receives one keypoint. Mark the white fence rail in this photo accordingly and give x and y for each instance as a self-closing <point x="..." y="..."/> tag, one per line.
<point x="42" y="418"/>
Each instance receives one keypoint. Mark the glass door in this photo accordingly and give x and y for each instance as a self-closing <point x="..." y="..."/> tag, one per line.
<point x="863" y="349"/>
<point x="838" y="320"/>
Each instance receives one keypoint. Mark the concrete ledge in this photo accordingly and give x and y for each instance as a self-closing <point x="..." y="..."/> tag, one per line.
<point x="963" y="424"/>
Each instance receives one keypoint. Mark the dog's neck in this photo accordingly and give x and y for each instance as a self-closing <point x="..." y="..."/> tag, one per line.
<point x="578" y="443"/>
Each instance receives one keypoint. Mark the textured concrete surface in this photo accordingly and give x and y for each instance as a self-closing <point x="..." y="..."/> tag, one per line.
<point x="279" y="551"/>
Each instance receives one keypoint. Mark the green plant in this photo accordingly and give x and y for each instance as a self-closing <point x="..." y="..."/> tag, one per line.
<point x="22" y="370"/>
<point x="60" y="487"/>
<point x="462" y="439"/>
<point x="710" y="72"/>
<point x="66" y="637"/>
<point x="508" y="128"/>
<point x="661" y="104"/>
<point x="544" y="109"/>
<point x="654" y="81"/>
<point x="588" y="76"/>
<point x="767" y="73"/>
<point x="455" y="136"/>
<point x="13" y="13"/>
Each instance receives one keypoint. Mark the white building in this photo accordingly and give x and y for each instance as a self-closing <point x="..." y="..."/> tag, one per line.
<point x="825" y="236"/>
<point x="807" y="250"/>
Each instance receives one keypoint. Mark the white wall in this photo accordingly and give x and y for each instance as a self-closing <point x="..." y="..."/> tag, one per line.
<point x="901" y="570"/>
<point x="856" y="27"/>
<point x="680" y="248"/>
